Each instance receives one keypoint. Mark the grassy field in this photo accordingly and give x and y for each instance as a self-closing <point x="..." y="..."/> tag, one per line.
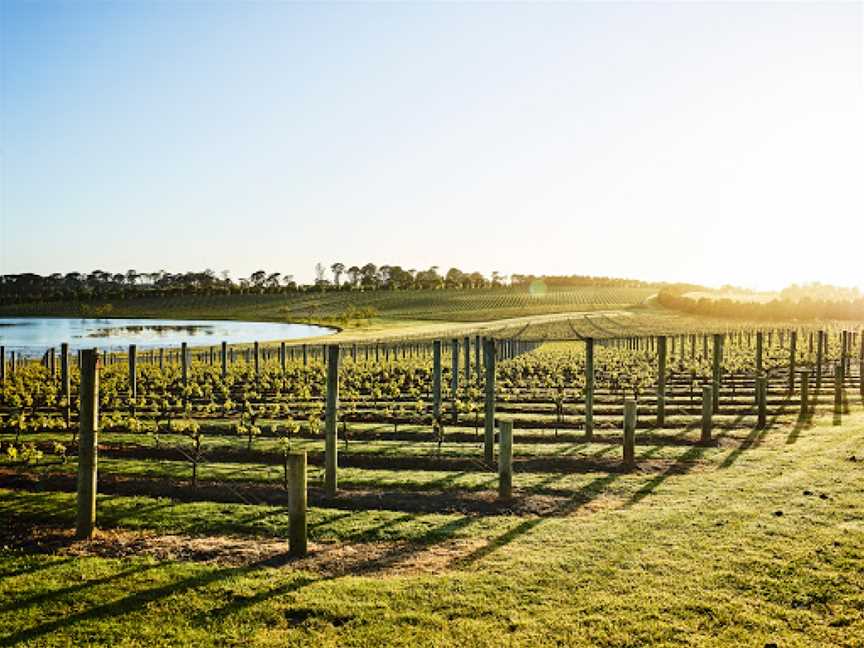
<point x="556" y="314"/>
<point x="563" y="313"/>
<point x="753" y="539"/>
<point x="436" y="305"/>
<point x="758" y="541"/>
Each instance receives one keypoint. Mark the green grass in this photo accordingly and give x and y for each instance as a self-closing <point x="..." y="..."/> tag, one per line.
<point x="444" y="305"/>
<point x="560" y="313"/>
<point x="409" y="448"/>
<point x="700" y="558"/>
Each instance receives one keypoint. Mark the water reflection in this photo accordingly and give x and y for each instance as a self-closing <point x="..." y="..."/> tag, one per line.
<point x="32" y="335"/>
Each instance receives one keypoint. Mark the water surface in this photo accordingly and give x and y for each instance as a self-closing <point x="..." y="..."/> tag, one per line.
<point x="33" y="335"/>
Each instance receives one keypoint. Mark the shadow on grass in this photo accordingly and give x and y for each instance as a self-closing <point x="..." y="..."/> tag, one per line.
<point x="129" y="603"/>
<point x="757" y="435"/>
<point x="35" y="567"/>
<point x="241" y="603"/>
<point x="392" y="556"/>
<point x="802" y="423"/>
<point x="43" y="597"/>
<point x="752" y="441"/>
<point x="681" y="466"/>
<point x="579" y="499"/>
<point x="330" y="520"/>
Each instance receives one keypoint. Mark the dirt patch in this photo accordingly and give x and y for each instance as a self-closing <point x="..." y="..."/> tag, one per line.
<point x="387" y="558"/>
<point x="327" y="560"/>
<point x="554" y="503"/>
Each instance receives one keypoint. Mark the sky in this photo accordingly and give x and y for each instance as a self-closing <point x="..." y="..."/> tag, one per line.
<point x="716" y="143"/>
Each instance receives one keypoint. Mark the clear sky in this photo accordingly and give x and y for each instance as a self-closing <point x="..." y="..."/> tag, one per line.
<point x="715" y="143"/>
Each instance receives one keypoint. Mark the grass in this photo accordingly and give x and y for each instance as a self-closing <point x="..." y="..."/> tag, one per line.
<point x="761" y="545"/>
<point x="448" y="305"/>
<point x="559" y="313"/>
<point x="537" y="443"/>
<point x="397" y="314"/>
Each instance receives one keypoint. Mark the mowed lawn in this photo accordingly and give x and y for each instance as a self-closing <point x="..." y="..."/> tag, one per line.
<point x="759" y="543"/>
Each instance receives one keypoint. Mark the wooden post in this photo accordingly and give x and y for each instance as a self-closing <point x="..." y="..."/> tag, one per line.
<point x="707" y="413"/>
<point x="762" y="401"/>
<point x="466" y="349"/>
<point x="760" y="341"/>
<point x="2" y="364"/>
<point x="861" y="363"/>
<point x="718" y="358"/>
<point x="66" y="382"/>
<point x="793" y="350"/>
<point x="436" y="379"/>
<point x="87" y="443"/>
<point x="489" y="414"/>
<point x="589" y="388"/>
<point x="505" y="460"/>
<point x="454" y="377"/>
<point x="760" y="344"/>
<point x="478" y="347"/>
<point x="257" y="353"/>
<point x="805" y="394"/>
<point x="283" y="356"/>
<point x="133" y="372"/>
<point x="224" y="359"/>
<point x="629" y="433"/>
<point x="838" y="390"/>
<point x="330" y="445"/>
<point x="661" y="381"/>
<point x="305" y="355"/>
<point x="184" y="360"/>
<point x="297" y="535"/>
<point x="844" y="338"/>
<point x="820" y="359"/>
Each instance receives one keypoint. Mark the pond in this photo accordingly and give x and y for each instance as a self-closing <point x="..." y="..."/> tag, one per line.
<point x="33" y="335"/>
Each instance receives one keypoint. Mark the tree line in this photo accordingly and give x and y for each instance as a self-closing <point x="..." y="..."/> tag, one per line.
<point x="785" y="308"/>
<point x="102" y="285"/>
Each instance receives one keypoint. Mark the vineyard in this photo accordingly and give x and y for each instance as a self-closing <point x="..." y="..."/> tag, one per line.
<point x="437" y="305"/>
<point x="405" y="469"/>
<point x="412" y="417"/>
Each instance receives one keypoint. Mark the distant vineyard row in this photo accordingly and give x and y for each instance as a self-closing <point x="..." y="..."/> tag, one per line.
<point x="447" y="304"/>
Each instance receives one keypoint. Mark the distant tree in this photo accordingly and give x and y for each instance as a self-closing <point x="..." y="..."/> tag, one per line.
<point x="384" y="276"/>
<point x="273" y="280"/>
<point x="454" y="278"/>
<point x="337" y="269"/>
<point x="429" y="279"/>
<point x="399" y="279"/>
<point x="369" y="275"/>
<point x="257" y="278"/>
<point x="320" y="278"/>
<point x="354" y="276"/>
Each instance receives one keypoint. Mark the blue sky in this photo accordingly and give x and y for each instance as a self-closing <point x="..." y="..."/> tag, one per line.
<point x="705" y="142"/>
